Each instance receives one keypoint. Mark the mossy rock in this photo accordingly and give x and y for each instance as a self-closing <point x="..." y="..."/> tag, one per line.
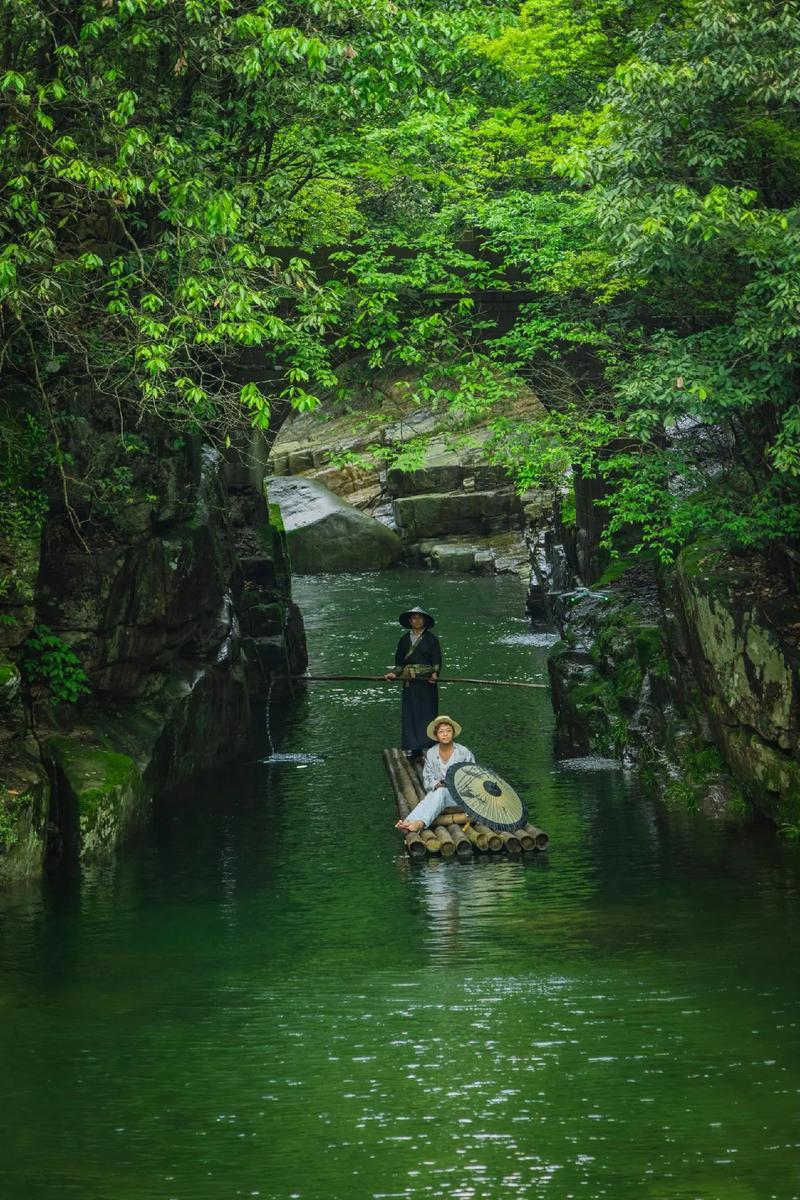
<point x="590" y="718"/>
<point x="9" y="677"/>
<point x="650" y="652"/>
<point x="324" y="533"/>
<point x="263" y="620"/>
<point x="12" y="713"/>
<point x="625" y="681"/>
<point x="275" y="518"/>
<point x="19" y="569"/>
<point x="702" y="783"/>
<point x="274" y="541"/>
<point x="101" y="793"/>
<point x="594" y="693"/>
<point x="700" y="559"/>
<point x="14" y="805"/>
<point x="10" y="684"/>
<point x="24" y="804"/>
<point x="744" y="660"/>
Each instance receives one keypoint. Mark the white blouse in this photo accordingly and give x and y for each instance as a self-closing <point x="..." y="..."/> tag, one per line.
<point x="434" y="770"/>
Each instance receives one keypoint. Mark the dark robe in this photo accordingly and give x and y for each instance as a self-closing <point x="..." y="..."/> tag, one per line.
<point x="420" y="697"/>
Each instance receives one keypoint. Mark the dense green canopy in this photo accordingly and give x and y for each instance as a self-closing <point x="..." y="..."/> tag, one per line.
<point x="207" y="207"/>
<point x="663" y="238"/>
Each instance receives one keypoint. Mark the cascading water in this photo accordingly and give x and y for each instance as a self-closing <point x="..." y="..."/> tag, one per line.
<point x="272" y="756"/>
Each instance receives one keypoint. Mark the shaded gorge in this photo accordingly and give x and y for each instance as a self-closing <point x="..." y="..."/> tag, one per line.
<point x="265" y="998"/>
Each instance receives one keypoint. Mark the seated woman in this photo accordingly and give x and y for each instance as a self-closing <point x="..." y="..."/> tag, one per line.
<point x="438" y="759"/>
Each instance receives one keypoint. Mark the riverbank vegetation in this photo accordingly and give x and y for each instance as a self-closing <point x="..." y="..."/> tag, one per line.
<point x="207" y="209"/>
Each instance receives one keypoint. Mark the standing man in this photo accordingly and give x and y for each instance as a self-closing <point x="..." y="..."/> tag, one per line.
<point x="418" y="661"/>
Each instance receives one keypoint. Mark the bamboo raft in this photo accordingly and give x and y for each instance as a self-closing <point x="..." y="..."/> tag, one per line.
<point x="453" y="834"/>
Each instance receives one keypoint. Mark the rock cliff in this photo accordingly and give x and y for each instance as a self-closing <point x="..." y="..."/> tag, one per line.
<point x="176" y="600"/>
<point x="691" y="672"/>
<point x="451" y="507"/>
<point x="743" y="642"/>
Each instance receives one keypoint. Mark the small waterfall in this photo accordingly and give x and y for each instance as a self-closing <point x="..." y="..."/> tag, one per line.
<point x="272" y="756"/>
<point x="270" y="743"/>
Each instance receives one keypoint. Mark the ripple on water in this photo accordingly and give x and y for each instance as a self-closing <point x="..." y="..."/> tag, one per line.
<point x="541" y="640"/>
<point x="282" y="759"/>
<point x="266" y="999"/>
<point x="591" y="762"/>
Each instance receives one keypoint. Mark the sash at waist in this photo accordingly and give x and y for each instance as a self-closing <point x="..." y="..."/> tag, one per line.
<point x="417" y="671"/>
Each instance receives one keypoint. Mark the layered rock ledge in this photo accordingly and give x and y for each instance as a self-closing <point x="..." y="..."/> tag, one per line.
<point x="450" y="507"/>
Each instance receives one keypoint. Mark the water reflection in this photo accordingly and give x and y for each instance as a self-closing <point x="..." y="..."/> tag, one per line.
<point x="267" y="998"/>
<point x="479" y="900"/>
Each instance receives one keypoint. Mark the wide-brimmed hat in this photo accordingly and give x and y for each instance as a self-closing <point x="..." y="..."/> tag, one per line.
<point x="405" y="618"/>
<point x="442" y="720"/>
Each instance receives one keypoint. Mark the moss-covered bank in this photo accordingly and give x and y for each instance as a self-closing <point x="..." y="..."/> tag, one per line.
<point x="691" y="674"/>
<point x="178" y="607"/>
<point x="741" y="629"/>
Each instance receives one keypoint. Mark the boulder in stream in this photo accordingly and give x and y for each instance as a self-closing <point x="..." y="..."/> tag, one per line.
<point x="325" y="533"/>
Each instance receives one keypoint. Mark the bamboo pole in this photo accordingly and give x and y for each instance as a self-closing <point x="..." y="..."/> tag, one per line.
<point x="382" y="679"/>
<point x="510" y="842"/>
<point x="415" y="767"/>
<point x="391" y="771"/>
<point x="456" y="814"/>
<point x="432" y="843"/>
<point x="407" y="785"/>
<point x="463" y="844"/>
<point x="479" y="840"/>
<point x="447" y="842"/>
<point x="409" y="791"/>
<point x="493" y="839"/>
<point x="539" y="836"/>
<point x="411" y="782"/>
<point x="415" y="846"/>
<point x="525" y="840"/>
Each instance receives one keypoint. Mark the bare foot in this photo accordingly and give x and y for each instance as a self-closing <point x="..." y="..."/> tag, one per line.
<point x="410" y="826"/>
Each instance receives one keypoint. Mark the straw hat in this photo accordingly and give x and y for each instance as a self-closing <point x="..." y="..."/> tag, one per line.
<point x="443" y="720"/>
<point x="405" y="618"/>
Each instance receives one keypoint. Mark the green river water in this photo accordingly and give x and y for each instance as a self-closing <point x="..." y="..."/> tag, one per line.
<point x="264" y="998"/>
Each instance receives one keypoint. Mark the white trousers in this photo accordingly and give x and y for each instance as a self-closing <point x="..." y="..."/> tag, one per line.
<point x="430" y="806"/>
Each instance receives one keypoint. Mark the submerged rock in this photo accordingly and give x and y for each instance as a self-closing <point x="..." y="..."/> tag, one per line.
<point x="325" y="533"/>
